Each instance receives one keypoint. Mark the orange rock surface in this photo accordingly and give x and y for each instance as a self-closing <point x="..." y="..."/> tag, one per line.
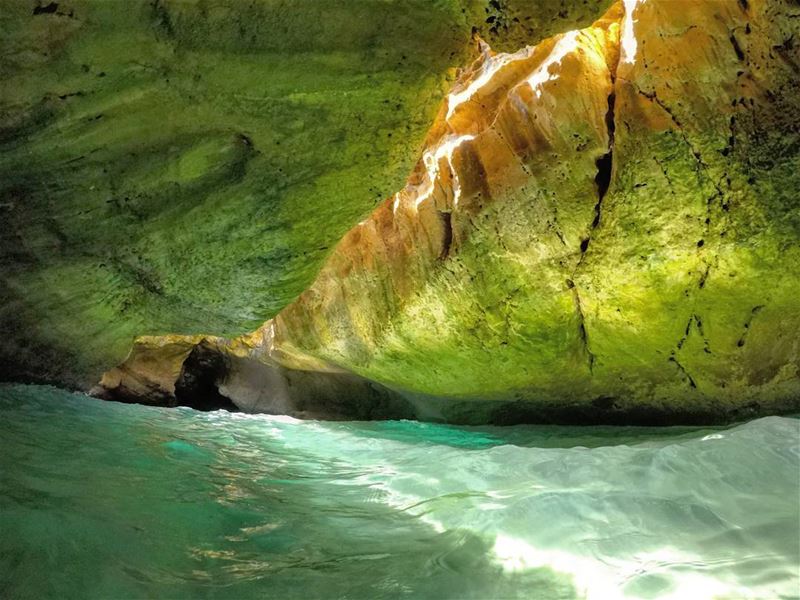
<point x="600" y="228"/>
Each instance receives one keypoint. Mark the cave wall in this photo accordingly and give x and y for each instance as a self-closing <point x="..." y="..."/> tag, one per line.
<point x="186" y="165"/>
<point x="602" y="228"/>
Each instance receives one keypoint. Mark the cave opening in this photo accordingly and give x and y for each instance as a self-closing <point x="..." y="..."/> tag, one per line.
<point x="198" y="384"/>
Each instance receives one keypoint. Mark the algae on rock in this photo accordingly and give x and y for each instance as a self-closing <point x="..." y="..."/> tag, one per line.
<point x="598" y="229"/>
<point x="603" y="227"/>
<point x="186" y="166"/>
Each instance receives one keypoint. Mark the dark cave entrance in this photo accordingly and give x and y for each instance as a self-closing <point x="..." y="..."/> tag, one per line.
<point x="198" y="384"/>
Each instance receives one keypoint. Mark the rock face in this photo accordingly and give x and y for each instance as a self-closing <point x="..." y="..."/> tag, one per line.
<point x="602" y="228"/>
<point x="186" y="167"/>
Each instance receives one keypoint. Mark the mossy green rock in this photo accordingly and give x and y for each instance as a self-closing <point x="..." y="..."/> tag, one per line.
<point x="186" y="166"/>
<point x="602" y="228"/>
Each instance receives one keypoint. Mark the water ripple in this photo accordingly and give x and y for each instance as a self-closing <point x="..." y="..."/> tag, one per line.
<point x="104" y="500"/>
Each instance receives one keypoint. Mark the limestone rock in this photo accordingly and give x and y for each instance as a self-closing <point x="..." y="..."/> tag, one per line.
<point x="601" y="228"/>
<point x="186" y="167"/>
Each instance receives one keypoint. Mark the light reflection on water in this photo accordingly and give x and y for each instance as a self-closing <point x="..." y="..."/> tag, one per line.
<point x="108" y="500"/>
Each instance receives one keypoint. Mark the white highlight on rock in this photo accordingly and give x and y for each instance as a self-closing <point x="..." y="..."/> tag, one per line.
<point x="270" y="337"/>
<point x="628" y="40"/>
<point x="490" y="66"/>
<point x="456" y="181"/>
<point x="542" y="74"/>
<point x="431" y="158"/>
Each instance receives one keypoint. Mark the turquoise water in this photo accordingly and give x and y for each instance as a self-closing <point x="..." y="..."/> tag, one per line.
<point x="105" y="500"/>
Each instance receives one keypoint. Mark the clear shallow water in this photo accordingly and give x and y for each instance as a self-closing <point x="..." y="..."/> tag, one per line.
<point x="105" y="500"/>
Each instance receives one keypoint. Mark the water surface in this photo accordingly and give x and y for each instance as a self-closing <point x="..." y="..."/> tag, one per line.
<point x="105" y="500"/>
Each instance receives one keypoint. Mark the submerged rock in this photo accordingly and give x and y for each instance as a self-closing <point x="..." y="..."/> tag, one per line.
<point x="602" y="228"/>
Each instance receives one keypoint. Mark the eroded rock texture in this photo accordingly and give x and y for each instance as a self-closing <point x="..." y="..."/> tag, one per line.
<point x="603" y="227"/>
<point x="187" y="166"/>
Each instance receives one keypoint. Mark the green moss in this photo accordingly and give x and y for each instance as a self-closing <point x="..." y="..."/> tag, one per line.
<point x="684" y="301"/>
<point x="185" y="166"/>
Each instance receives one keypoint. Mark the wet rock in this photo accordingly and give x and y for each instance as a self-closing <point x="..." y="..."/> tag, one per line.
<point x="577" y="177"/>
